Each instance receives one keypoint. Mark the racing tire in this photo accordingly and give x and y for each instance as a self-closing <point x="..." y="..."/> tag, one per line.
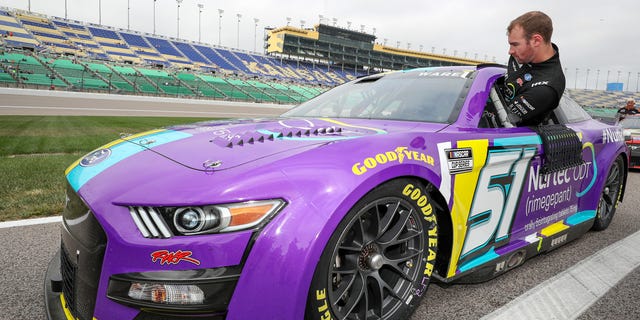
<point x="610" y="195"/>
<point x="378" y="262"/>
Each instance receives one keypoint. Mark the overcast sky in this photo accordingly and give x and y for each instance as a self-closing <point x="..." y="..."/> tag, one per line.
<point x="592" y="34"/>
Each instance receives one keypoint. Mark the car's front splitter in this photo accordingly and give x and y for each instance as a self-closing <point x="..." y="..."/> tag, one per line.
<point x="53" y="299"/>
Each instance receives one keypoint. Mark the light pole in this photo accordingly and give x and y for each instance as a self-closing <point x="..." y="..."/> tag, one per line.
<point x="178" y="2"/>
<point x="29" y="6"/>
<point x="220" y="12"/>
<point x="238" y="38"/>
<point x="618" y="80"/>
<point x="154" y="17"/>
<point x="128" y="11"/>
<point x="255" y="33"/>
<point x="597" y="77"/>
<point x="100" y="12"/>
<point x="637" y="80"/>
<point x="335" y="22"/>
<point x="288" y="20"/>
<point x="607" y="83"/>
<point x="200" y="7"/>
<point x="575" y="85"/>
<point x="586" y="80"/>
<point x="65" y="9"/>
<point x="628" y="76"/>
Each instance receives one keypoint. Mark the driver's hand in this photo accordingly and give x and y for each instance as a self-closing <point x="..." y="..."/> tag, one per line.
<point x="514" y="118"/>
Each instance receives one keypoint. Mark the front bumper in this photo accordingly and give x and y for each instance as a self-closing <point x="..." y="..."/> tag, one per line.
<point x="53" y="299"/>
<point x="221" y="283"/>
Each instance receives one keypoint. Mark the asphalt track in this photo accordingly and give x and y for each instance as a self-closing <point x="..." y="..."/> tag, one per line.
<point x="594" y="277"/>
<point x="43" y="102"/>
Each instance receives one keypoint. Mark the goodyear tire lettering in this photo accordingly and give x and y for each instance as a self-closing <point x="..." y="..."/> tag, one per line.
<point x="323" y="309"/>
<point x="422" y="201"/>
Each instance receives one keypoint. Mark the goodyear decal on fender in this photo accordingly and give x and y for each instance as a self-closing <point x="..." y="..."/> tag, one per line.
<point x="83" y="170"/>
<point x="399" y="155"/>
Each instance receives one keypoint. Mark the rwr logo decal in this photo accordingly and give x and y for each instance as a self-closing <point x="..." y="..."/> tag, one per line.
<point x="167" y="257"/>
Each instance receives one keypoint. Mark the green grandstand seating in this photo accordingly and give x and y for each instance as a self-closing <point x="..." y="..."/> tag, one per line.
<point x="30" y="71"/>
<point x="229" y="90"/>
<point x="5" y="77"/>
<point x="166" y="82"/>
<point x="305" y="91"/>
<point x="137" y="79"/>
<point x="254" y="92"/>
<point x="114" y="78"/>
<point x="295" y="95"/>
<point x="200" y="86"/>
<point x="77" y="75"/>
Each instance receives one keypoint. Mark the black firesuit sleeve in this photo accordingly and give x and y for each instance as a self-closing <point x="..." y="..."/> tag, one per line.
<point x="533" y="105"/>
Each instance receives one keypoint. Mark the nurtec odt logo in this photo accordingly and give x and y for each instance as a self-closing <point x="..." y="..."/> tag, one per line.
<point x="95" y="157"/>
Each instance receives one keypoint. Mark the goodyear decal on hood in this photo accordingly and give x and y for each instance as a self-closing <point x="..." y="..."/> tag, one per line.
<point x="97" y="161"/>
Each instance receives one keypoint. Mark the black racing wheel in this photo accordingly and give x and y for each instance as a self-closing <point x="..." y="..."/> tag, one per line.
<point x="610" y="195"/>
<point x="378" y="262"/>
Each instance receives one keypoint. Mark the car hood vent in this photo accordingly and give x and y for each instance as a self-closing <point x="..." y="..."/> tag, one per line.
<point x="263" y="135"/>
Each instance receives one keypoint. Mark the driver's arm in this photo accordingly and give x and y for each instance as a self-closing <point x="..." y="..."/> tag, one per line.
<point x="531" y="106"/>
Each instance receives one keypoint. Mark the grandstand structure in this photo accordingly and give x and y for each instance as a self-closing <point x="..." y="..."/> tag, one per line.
<point x="38" y="51"/>
<point x="344" y="49"/>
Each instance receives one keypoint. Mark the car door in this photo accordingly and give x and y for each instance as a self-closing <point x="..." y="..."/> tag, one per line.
<point x="510" y="202"/>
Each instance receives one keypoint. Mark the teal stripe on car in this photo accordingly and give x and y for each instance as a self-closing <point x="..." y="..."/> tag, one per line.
<point x="80" y="175"/>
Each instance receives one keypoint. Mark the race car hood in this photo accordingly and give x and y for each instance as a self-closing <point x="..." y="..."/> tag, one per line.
<point x="218" y="146"/>
<point x="222" y="145"/>
<point x="226" y="145"/>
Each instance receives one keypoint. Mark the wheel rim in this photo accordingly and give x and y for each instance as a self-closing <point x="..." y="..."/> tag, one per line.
<point x="375" y="261"/>
<point x="610" y="191"/>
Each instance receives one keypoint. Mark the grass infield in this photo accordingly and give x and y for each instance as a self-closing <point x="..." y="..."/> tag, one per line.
<point x="35" y="151"/>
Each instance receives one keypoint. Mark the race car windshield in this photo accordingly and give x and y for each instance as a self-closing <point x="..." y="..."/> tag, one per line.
<point x="414" y="96"/>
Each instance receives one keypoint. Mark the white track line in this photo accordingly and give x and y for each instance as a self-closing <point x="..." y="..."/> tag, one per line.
<point x="568" y="294"/>
<point x="29" y="222"/>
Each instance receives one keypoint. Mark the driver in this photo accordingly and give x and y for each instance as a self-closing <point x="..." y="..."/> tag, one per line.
<point x="534" y="81"/>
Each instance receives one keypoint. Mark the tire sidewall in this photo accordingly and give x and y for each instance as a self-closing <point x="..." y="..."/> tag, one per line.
<point x="600" y="222"/>
<point x="413" y="192"/>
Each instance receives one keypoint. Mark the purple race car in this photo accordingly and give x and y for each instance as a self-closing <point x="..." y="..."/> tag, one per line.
<point x="346" y="207"/>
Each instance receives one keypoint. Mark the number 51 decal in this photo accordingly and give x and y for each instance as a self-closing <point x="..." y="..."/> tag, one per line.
<point x="495" y="200"/>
